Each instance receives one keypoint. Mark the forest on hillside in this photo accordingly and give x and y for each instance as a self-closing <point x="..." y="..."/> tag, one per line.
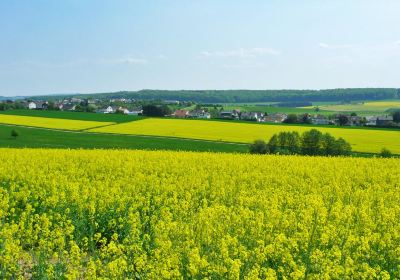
<point x="239" y="96"/>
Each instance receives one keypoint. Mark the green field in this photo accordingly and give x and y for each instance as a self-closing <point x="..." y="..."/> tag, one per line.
<point x="45" y="138"/>
<point x="83" y="116"/>
<point x="362" y="140"/>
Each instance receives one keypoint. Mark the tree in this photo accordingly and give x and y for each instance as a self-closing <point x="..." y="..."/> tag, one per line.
<point x="396" y="117"/>
<point x="329" y="145"/>
<point x="291" y="118"/>
<point x="259" y="147"/>
<point x="273" y="144"/>
<point x="343" y="120"/>
<point x="156" y="111"/>
<point x="311" y="142"/>
<point x="306" y="118"/>
<point x="354" y="114"/>
<point x="91" y="108"/>
<point x="14" y="134"/>
<point x="342" y="148"/>
<point x="386" y="153"/>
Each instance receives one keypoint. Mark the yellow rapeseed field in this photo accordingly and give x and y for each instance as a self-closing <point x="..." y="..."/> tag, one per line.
<point x="102" y="214"/>
<point x="49" y="122"/>
<point x="362" y="140"/>
<point x="372" y="106"/>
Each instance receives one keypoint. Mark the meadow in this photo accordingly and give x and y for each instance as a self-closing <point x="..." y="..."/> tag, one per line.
<point x="362" y="140"/>
<point x="51" y="123"/>
<point x="80" y="214"/>
<point x="30" y="137"/>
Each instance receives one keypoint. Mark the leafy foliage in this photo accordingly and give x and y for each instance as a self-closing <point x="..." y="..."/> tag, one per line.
<point x="232" y="96"/>
<point x="311" y="142"/>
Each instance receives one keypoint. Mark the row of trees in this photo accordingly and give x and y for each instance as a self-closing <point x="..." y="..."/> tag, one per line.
<point x="311" y="142"/>
<point x="232" y="96"/>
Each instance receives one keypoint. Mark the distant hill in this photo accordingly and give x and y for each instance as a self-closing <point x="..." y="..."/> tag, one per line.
<point x="2" y="98"/>
<point x="240" y="96"/>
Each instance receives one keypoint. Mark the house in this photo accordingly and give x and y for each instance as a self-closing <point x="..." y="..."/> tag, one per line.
<point x="122" y="110"/>
<point x="31" y="105"/>
<point x="379" y="120"/>
<point x="45" y="105"/>
<point x="107" y="110"/>
<point x="136" y="112"/>
<point x="68" y="107"/>
<point x="199" y="114"/>
<point x="180" y="113"/>
<point x="275" y="118"/>
<point x="38" y="105"/>
<point x="231" y="115"/>
<point x="252" y="116"/>
<point x="355" y="120"/>
<point x="320" y="120"/>
<point x="384" y="120"/>
<point x="370" y="121"/>
<point x="75" y="100"/>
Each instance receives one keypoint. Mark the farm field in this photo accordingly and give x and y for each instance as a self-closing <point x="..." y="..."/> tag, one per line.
<point x="362" y="140"/>
<point x="83" y="116"/>
<point x="43" y="138"/>
<point x="272" y="109"/>
<point x="79" y="214"/>
<point x="50" y="122"/>
<point x="369" y="107"/>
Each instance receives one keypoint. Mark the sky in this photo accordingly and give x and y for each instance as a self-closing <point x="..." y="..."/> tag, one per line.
<point x="86" y="46"/>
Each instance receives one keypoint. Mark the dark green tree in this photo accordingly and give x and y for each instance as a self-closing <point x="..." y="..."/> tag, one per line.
<point x="396" y="117"/>
<point x="259" y="147"/>
<point x="291" y="118"/>
<point x="343" y="120"/>
<point x="273" y="144"/>
<point x="311" y="142"/>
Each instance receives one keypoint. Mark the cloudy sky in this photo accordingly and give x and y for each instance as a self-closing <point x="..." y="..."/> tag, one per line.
<point x="66" y="46"/>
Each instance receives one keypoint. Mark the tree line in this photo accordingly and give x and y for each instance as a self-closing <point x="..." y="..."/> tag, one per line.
<point x="232" y="96"/>
<point x="312" y="142"/>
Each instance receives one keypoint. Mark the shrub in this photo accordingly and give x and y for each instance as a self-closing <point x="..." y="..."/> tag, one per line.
<point x="386" y="153"/>
<point x="259" y="147"/>
<point x="14" y="134"/>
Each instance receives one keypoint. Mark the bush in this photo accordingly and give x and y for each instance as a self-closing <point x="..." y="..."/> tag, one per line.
<point x="259" y="147"/>
<point x="14" y="134"/>
<point x="386" y="153"/>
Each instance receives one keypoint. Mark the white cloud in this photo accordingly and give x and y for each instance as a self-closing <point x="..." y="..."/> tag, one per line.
<point x="240" y="53"/>
<point x="124" y="60"/>
<point x="333" y="47"/>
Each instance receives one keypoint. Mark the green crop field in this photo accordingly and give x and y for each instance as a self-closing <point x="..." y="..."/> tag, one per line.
<point x="83" y="116"/>
<point x="45" y="138"/>
<point x="362" y="140"/>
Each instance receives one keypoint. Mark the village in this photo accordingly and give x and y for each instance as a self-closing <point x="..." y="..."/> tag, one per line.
<point x="190" y="110"/>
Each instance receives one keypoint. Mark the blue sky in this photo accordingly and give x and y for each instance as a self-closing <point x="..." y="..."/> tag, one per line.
<point x="66" y="46"/>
